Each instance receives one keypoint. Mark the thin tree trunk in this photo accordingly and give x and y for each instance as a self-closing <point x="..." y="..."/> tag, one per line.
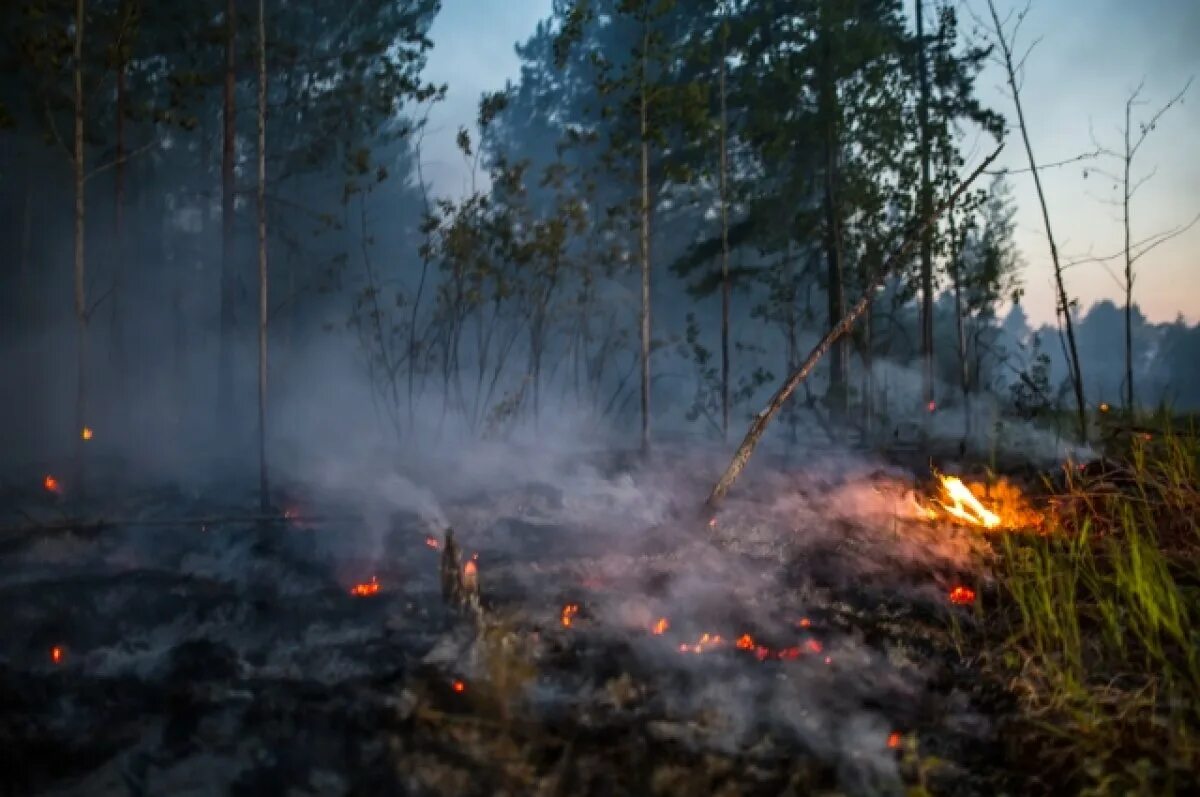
<point x="264" y="495"/>
<point x="925" y="206"/>
<point x="228" y="275"/>
<point x="1128" y="274"/>
<point x="726" y="288"/>
<point x="117" y="352"/>
<point x="1064" y="304"/>
<point x="645" y="239"/>
<point x="81" y="310"/>
<point x="759" y="426"/>
<point x="833" y="231"/>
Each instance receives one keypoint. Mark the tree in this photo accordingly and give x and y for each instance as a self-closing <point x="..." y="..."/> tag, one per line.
<point x="228" y="208"/>
<point x="1132" y="251"/>
<point x="264" y="493"/>
<point x="1006" y="40"/>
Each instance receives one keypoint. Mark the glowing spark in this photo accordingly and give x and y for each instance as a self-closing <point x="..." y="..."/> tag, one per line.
<point x="86" y="433"/>
<point x="568" y="614"/>
<point x="363" y="590"/>
<point x="51" y="484"/>
<point x="962" y="596"/>
<point x="661" y="626"/>
<point x="459" y="687"/>
<point x="893" y="740"/>
<point x="57" y="654"/>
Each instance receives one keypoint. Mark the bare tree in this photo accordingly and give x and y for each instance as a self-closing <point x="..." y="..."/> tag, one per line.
<point x="926" y="206"/>
<point x="263" y="488"/>
<point x="725" y="282"/>
<point x="1133" y="251"/>
<point x="644" y="236"/>
<point x="1013" y="67"/>
<point x="81" y="308"/>
<point x="228" y="193"/>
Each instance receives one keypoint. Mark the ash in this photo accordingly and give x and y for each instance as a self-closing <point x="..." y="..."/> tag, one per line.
<point x="797" y="643"/>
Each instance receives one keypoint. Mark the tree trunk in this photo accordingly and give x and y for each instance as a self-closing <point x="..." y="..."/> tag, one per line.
<point x="264" y="495"/>
<point x="1128" y="275"/>
<point x="117" y="352"/>
<point x="228" y="276"/>
<point x="1064" y="304"/>
<point x="645" y="240"/>
<point x="839" y="330"/>
<point x="81" y="310"/>
<point x="833" y="232"/>
<point x="926" y="203"/>
<point x="726" y="288"/>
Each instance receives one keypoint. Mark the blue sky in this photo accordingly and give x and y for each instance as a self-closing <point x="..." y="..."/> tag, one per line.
<point x="1091" y="54"/>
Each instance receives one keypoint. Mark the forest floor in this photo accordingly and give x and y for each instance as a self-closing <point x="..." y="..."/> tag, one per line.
<point x="822" y="635"/>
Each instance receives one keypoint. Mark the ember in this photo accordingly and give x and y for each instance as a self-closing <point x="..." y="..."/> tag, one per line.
<point x="893" y="740"/>
<point x="431" y="542"/>
<point x="57" y="654"/>
<point x="745" y="642"/>
<point x="368" y="588"/>
<point x="51" y="484"/>
<point x="86" y="433"/>
<point x="962" y="596"/>
<point x="568" y="614"/>
<point x="459" y="687"/>
<point x="661" y="626"/>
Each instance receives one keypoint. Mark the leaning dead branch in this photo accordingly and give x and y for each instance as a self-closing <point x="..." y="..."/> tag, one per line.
<point x="759" y="426"/>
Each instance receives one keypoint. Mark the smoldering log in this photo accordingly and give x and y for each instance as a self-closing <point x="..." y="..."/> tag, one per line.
<point x="759" y="425"/>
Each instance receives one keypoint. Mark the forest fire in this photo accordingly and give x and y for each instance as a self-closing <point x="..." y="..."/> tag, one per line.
<point x="1007" y="507"/>
<point x="366" y="588"/>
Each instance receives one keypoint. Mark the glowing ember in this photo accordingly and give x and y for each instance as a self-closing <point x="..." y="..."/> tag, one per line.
<point x="804" y="622"/>
<point x="1104" y="406"/>
<point x="712" y="522"/>
<point x="814" y="646"/>
<point x="745" y="642"/>
<point x="706" y="642"/>
<point x="568" y="614"/>
<point x="363" y="590"/>
<point x="51" y="484"/>
<point x="661" y="626"/>
<point x="459" y="686"/>
<point x="893" y="740"/>
<point x="57" y="654"/>
<point x="931" y="406"/>
<point x="86" y="433"/>
<point x="962" y="596"/>
<point x="430" y="542"/>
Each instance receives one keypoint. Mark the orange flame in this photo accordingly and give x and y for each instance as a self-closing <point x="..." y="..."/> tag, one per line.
<point x="745" y="642"/>
<point x="568" y="614"/>
<point x="57" y="654"/>
<point x="1008" y="508"/>
<point x="661" y="626"/>
<point x="962" y="596"/>
<point x="86" y="433"/>
<point x="51" y="484"/>
<point x="365" y="589"/>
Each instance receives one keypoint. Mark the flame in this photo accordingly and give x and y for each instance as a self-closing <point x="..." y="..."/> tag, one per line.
<point x="57" y="654"/>
<point x="86" y="433"/>
<point x="745" y="642"/>
<point x="431" y="542"/>
<point x="660" y="626"/>
<point x="1008" y="508"/>
<point x="804" y="622"/>
<point x="459" y="687"/>
<point x="365" y="589"/>
<point x="893" y="740"/>
<point x="51" y="484"/>
<point x="962" y="596"/>
<point x="706" y="641"/>
<point x="568" y="614"/>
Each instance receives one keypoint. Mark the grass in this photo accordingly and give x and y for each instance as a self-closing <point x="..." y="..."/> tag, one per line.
<point x="1096" y="629"/>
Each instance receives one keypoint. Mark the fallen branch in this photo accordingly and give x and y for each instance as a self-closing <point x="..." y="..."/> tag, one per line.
<point x="759" y="426"/>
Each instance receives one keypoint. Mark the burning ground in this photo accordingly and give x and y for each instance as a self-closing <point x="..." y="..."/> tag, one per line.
<point x="801" y="641"/>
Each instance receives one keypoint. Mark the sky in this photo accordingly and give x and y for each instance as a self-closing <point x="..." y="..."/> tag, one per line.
<point x="1089" y="56"/>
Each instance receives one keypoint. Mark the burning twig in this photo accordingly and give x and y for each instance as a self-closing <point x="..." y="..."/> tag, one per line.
<point x="460" y="583"/>
<point x="759" y="426"/>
